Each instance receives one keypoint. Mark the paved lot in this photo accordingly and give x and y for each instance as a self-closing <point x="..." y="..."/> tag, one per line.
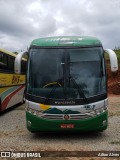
<point x="15" y="137"/>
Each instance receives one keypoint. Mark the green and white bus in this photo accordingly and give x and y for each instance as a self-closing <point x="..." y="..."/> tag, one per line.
<point x="66" y="86"/>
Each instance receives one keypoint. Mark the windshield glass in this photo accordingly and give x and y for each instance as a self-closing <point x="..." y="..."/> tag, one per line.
<point x="66" y="73"/>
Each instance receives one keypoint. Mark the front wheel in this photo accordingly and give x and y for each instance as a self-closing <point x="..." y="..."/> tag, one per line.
<point x="23" y="99"/>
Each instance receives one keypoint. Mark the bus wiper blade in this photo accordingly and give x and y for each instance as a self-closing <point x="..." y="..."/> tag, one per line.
<point x="80" y="90"/>
<point x="53" y="90"/>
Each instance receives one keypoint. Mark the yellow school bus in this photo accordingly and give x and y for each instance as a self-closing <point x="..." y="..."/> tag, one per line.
<point x="11" y="85"/>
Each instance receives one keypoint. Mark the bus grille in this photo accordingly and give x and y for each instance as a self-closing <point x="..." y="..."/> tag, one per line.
<point x="71" y="116"/>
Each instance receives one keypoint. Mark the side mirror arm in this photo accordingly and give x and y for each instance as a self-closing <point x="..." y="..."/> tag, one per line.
<point x="17" y="64"/>
<point x="113" y="59"/>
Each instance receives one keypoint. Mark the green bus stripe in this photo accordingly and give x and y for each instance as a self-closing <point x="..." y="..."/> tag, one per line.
<point x="8" y="91"/>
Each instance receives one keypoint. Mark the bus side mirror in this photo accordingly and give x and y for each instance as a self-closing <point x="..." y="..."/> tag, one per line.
<point x="17" y="65"/>
<point x="113" y="59"/>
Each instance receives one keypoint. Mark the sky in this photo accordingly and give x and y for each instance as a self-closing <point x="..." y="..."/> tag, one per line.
<point x="21" y="21"/>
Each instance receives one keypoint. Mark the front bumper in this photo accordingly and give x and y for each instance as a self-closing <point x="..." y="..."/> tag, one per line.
<point x="97" y="123"/>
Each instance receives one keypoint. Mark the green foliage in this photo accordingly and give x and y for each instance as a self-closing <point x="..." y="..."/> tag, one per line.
<point x="115" y="142"/>
<point x="15" y="53"/>
<point x="25" y="56"/>
<point x="118" y="55"/>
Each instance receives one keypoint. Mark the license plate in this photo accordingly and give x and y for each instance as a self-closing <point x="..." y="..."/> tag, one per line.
<point x="67" y="126"/>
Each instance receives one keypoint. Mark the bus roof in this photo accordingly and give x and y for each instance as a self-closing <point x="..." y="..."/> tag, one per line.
<point x="78" y="41"/>
<point x="10" y="53"/>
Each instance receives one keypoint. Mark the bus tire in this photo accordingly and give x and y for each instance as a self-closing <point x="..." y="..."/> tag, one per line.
<point x="23" y="99"/>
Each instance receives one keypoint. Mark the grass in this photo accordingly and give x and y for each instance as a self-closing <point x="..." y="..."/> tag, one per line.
<point x="115" y="113"/>
<point x="115" y="142"/>
<point x="118" y="56"/>
<point x="118" y="53"/>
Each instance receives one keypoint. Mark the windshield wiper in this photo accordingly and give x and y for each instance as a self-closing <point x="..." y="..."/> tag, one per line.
<point x="79" y="89"/>
<point x="53" y="90"/>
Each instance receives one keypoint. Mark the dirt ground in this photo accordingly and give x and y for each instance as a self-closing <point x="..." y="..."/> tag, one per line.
<point x="113" y="82"/>
<point x="15" y="137"/>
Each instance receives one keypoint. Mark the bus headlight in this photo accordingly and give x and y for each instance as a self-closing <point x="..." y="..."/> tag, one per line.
<point x="35" y="113"/>
<point x="105" y="108"/>
<point x="101" y="110"/>
<point x="32" y="111"/>
<point x="97" y="111"/>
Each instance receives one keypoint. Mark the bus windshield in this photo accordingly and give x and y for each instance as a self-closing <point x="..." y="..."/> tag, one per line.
<point x="67" y="73"/>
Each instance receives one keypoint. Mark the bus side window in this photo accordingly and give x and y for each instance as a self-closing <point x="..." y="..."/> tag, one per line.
<point x="3" y="61"/>
<point x="11" y="64"/>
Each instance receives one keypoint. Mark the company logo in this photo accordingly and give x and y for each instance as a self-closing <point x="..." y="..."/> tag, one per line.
<point x="66" y="117"/>
<point x="5" y="154"/>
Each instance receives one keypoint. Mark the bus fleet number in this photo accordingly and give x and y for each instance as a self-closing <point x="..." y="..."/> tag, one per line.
<point x="15" y="79"/>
